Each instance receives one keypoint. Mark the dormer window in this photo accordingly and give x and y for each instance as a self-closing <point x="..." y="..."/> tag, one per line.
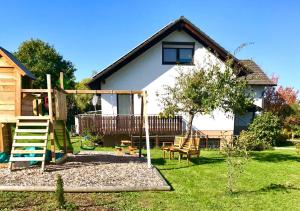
<point x="178" y="52"/>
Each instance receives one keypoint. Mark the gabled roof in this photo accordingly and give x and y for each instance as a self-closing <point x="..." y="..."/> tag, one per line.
<point x="256" y="75"/>
<point x="18" y="64"/>
<point x="180" y="24"/>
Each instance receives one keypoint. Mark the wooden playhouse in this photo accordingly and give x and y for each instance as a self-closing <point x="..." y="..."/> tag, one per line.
<point x="13" y="78"/>
<point x="23" y="106"/>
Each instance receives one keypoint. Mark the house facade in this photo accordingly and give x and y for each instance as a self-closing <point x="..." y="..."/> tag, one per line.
<point x="155" y="63"/>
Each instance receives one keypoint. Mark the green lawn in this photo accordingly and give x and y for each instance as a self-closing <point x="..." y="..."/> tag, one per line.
<point x="271" y="182"/>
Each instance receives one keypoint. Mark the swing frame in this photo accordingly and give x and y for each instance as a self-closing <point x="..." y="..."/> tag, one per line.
<point x="144" y="115"/>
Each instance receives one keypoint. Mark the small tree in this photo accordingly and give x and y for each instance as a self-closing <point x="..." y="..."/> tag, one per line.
<point x="60" y="192"/>
<point x="280" y="100"/>
<point x="83" y="101"/>
<point x="236" y="155"/>
<point x="202" y="90"/>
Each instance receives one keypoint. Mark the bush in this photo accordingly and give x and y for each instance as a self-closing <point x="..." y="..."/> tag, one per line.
<point x="59" y="192"/>
<point x="263" y="132"/>
<point x="298" y="148"/>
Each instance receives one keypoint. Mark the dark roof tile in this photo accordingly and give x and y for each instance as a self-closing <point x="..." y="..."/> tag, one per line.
<point x="256" y="75"/>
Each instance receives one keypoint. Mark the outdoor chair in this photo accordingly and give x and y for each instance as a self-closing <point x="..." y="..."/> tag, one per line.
<point x="172" y="147"/>
<point x="190" y="147"/>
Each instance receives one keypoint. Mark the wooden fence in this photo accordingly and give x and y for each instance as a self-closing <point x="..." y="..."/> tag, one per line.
<point x="129" y="124"/>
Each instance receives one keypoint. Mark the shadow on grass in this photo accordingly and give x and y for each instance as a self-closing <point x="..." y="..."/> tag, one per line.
<point x="183" y="164"/>
<point x="274" y="157"/>
<point x="272" y="187"/>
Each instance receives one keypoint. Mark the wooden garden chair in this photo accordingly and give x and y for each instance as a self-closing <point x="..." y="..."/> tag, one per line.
<point x="172" y="147"/>
<point x="190" y="147"/>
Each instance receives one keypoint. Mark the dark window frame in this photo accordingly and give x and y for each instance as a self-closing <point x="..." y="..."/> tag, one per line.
<point x="177" y="52"/>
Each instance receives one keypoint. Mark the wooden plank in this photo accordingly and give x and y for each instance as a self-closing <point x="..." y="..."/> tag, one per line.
<point x="7" y="115"/>
<point x="30" y="144"/>
<point x="31" y="130"/>
<point x="14" y="159"/>
<point x="24" y="151"/>
<point x="6" y="69"/>
<point x="147" y="129"/>
<point x="7" y="75"/>
<point x="1" y="138"/>
<point x="35" y="90"/>
<point x="7" y="88"/>
<point x="33" y="117"/>
<point x="23" y="137"/>
<point x="18" y="94"/>
<point x="8" y="107"/>
<point x="7" y="98"/>
<point x="61" y="80"/>
<point x="103" y="91"/>
<point x="60" y="105"/>
<point x="7" y="81"/>
<point x="49" y="89"/>
<point x="32" y="124"/>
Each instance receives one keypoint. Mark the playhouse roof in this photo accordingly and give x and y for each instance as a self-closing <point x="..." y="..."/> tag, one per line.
<point x="17" y="63"/>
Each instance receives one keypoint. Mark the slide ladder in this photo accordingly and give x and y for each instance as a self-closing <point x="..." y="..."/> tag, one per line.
<point x="30" y="140"/>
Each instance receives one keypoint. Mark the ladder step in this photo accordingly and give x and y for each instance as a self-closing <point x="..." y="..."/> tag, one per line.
<point x="29" y="144"/>
<point x="26" y="159"/>
<point x="33" y="124"/>
<point x="30" y="137"/>
<point x="31" y="130"/>
<point x="23" y="151"/>
<point x="33" y="117"/>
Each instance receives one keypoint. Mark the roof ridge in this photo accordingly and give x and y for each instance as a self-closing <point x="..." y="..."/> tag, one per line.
<point x="181" y="23"/>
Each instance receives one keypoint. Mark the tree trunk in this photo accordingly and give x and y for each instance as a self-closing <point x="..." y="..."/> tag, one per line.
<point x="189" y="126"/>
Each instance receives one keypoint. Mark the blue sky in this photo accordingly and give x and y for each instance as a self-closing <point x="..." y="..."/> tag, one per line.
<point x="93" y="34"/>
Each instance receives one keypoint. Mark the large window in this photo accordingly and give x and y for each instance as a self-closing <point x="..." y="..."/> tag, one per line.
<point x="124" y="104"/>
<point x="178" y="52"/>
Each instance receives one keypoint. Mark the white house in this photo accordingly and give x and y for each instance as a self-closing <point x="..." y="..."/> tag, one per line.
<point x="154" y="63"/>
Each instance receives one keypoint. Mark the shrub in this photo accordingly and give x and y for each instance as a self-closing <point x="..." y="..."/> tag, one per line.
<point x="60" y="198"/>
<point x="298" y="148"/>
<point x="263" y="132"/>
<point x="236" y="155"/>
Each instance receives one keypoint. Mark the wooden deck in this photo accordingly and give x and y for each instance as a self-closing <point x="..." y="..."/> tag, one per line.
<point x="129" y="124"/>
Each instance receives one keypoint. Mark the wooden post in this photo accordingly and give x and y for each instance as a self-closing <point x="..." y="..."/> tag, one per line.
<point x="5" y="137"/>
<point x="156" y="141"/>
<point x="61" y="80"/>
<point x="141" y="125"/>
<point x="51" y="117"/>
<point x="1" y="139"/>
<point x="147" y="130"/>
<point x="18" y="96"/>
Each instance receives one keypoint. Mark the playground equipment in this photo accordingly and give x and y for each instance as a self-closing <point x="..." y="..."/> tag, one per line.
<point x="20" y="103"/>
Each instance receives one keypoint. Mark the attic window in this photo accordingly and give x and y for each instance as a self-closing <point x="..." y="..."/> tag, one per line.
<point x="178" y="52"/>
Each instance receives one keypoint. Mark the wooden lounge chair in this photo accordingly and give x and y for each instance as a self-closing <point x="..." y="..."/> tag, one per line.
<point x="190" y="147"/>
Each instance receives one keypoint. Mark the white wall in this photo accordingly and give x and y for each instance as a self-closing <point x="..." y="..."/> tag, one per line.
<point x="258" y="95"/>
<point x="147" y="73"/>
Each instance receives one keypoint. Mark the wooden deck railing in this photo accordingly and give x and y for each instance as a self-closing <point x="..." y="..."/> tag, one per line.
<point x="129" y="124"/>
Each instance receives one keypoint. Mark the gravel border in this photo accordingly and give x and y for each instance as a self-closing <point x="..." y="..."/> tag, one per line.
<point x="88" y="172"/>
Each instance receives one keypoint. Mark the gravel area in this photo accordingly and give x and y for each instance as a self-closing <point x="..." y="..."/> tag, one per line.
<point x="88" y="169"/>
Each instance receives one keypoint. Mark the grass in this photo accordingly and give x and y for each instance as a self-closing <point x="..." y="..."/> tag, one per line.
<point x="271" y="182"/>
